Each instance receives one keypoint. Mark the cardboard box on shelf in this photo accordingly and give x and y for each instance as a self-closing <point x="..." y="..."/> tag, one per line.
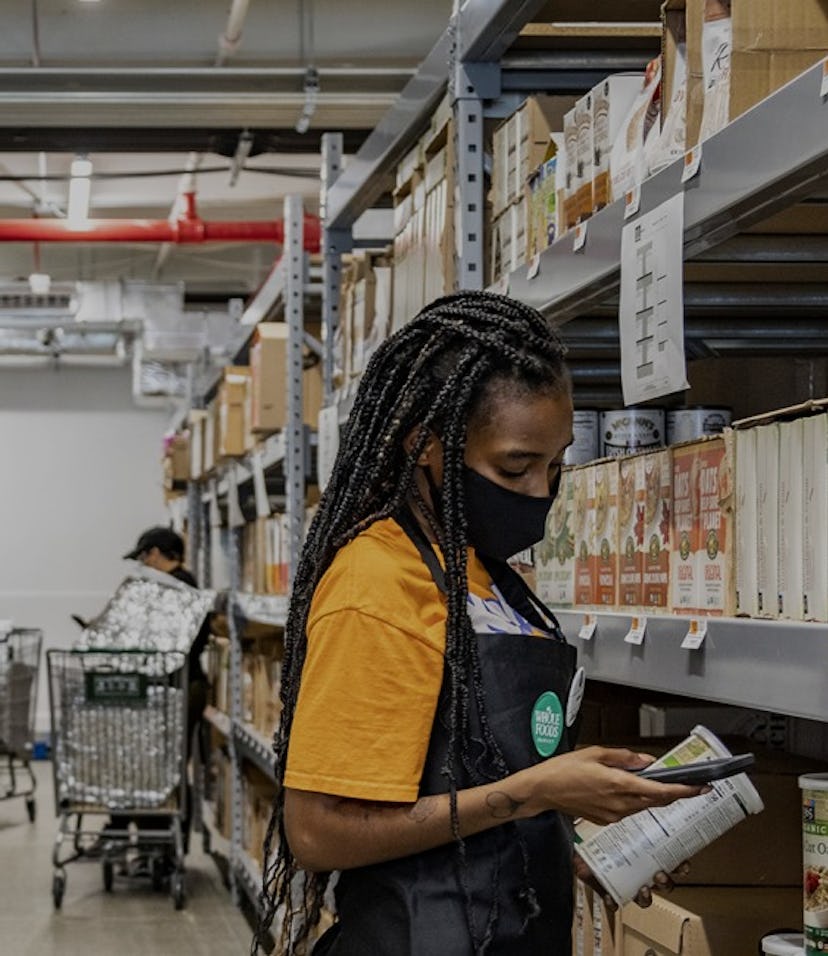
<point x="612" y="100"/>
<point x="672" y="138"/>
<point x="233" y="438"/>
<point x="716" y="47"/>
<point x="582" y="920"/>
<point x="604" y="927"/>
<point x="707" y="921"/>
<point x="631" y="494"/>
<point x="570" y="198"/>
<point x="583" y="527"/>
<point x="790" y="531"/>
<point x="658" y="505"/>
<point x="586" y="157"/>
<point x="176" y="460"/>
<point x="210" y="448"/>
<point x="685" y="532"/>
<point x="509" y="240"/>
<point x="815" y="518"/>
<point x="714" y="557"/>
<point x="542" y="189"/>
<point x="627" y="156"/>
<point x="555" y="555"/>
<point x="746" y="523"/>
<point x="268" y="363"/>
<point x="605" y="535"/>
<point x="767" y="519"/>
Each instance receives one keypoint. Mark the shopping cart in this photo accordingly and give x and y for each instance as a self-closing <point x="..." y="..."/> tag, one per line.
<point x="19" y="665"/>
<point x="118" y="745"/>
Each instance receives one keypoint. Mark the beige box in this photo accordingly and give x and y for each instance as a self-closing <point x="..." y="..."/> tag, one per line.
<point x="815" y="519"/>
<point x="604" y="928"/>
<point x="671" y="141"/>
<point x="197" y="421"/>
<point x="605" y="536"/>
<point x="714" y="556"/>
<point x="655" y="546"/>
<point x="767" y="519"/>
<point x="716" y="48"/>
<point x="570" y="131"/>
<point x="268" y="364"/>
<point x="211" y="425"/>
<point x="631" y="493"/>
<point x="555" y="555"/>
<point x="586" y="157"/>
<point x="707" y="921"/>
<point x="746" y="523"/>
<point x="611" y="102"/>
<point x="582" y="920"/>
<point x="790" y="531"/>
<point x="233" y="426"/>
<point x="684" y="537"/>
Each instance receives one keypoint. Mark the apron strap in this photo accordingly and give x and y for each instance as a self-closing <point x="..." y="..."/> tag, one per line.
<point x="413" y="529"/>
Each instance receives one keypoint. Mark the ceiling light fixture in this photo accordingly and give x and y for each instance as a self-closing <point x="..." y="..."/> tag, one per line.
<point x="80" y="187"/>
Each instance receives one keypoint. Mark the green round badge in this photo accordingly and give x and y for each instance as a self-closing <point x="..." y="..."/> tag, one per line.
<point x="547" y="723"/>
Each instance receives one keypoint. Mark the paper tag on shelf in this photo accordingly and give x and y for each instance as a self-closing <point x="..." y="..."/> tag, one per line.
<point x="501" y="287"/>
<point x="696" y="633"/>
<point x="632" y="201"/>
<point x="692" y="163"/>
<point x="588" y="627"/>
<point x="635" y="635"/>
<point x="534" y="266"/>
<point x="823" y="90"/>
<point x="235" y="518"/>
<point x="260" y="486"/>
<point x="580" y="237"/>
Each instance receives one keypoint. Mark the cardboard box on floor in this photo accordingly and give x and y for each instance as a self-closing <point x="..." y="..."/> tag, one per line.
<point x="707" y="921"/>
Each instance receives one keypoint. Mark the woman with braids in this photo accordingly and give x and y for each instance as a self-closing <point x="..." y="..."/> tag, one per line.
<point x="430" y="699"/>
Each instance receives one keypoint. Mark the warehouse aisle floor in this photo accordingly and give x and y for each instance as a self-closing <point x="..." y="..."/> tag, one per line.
<point x="131" y="921"/>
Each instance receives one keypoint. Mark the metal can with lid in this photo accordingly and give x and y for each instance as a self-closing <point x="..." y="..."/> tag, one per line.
<point x="688" y="424"/>
<point x="784" y="944"/>
<point x="814" y="787"/>
<point x="586" y="445"/>
<point x="627" y="430"/>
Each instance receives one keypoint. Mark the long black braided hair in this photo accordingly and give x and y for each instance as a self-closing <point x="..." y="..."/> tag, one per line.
<point x="434" y="373"/>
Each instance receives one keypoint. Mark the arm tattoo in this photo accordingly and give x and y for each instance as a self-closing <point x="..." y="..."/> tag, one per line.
<point x="502" y="806"/>
<point x="423" y="809"/>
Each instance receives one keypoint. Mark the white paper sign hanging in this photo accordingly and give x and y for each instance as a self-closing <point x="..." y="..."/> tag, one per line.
<point x="260" y="486"/>
<point x="638" y="628"/>
<point x="696" y="633"/>
<point x="328" y="443"/>
<point x="587" y="629"/>
<point x="235" y="518"/>
<point x="651" y="313"/>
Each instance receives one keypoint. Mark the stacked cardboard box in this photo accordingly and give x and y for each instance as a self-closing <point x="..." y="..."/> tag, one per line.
<point x="262" y="671"/>
<point x="268" y="377"/>
<point x="365" y="312"/>
<point x="257" y="805"/>
<point x="232" y="421"/>
<point x="176" y="461"/>
<point x="409" y="232"/>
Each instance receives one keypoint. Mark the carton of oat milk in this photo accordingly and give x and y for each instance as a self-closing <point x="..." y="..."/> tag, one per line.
<point x="631" y="492"/>
<point x="714" y="558"/>
<point x="605" y="534"/>
<point x="658" y="503"/>
<point x="555" y="555"/>
<point x="624" y="856"/>
<point x="684" y="542"/>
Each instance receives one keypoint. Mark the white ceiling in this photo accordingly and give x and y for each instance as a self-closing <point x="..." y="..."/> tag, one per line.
<point x="144" y="86"/>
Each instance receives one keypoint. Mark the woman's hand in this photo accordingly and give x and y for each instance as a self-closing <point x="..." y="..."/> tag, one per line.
<point x="663" y="882"/>
<point x="595" y="783"/>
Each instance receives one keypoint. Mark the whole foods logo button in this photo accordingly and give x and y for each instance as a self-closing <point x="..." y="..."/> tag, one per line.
<point x="547" y="723"/>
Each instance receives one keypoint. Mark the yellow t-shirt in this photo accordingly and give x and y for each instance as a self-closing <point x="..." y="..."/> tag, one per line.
<point x="374" y="667"/>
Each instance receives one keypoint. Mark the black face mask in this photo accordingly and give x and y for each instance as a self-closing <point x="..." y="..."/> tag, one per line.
<point x="500" y="522"/>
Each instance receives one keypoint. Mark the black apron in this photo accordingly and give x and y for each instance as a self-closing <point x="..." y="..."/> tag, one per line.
<point x="416" y="906"/>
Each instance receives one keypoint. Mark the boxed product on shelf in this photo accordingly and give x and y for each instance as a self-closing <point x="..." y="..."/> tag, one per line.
<point x="570" y="196"/>
<point x="715" y="555"/>
<point x="370" y="308"/>
<point x="790" y="530"/>
<point x="234" y="437"/>
<point x="439" y="237"/>
<point x="686" y="532"/>
<point x="210" y="450"/>
<point x="583" y="528"/>
<point x="716" y="48"/>
<point x="672" y="139"/>
<point x="612" y="100"/>
<point x="581" y="920"/>
<point x="815" y="518"/>
<point x="767" y="520"/>
<point x="268" y="367"/>
<point x="746" y="523"/>
<point x="543" y="210"/>
<point x="509" y="239"/>
<point x="658" y="503"/>
<point x="627" y="157"/>
<point x="586" y="157"/>
<point x="604" y="498"/>
<point x="409" y="238"/>
<point x="555" y="555"/>
<point x="631" y="494"/>
<point x="707" y="921"/>
<point x="176" y="461"/>
<point x="257" y="802"/>
<point x="197" y="423"/>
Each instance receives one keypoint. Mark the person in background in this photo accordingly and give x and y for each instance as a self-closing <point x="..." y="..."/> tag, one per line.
<point x="430" y="700"/>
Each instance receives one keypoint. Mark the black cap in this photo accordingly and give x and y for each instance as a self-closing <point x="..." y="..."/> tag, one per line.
<point x="166" y="540"/>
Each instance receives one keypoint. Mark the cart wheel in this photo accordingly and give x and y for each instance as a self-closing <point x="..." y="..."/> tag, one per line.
<point x="58" y="888"/>
<point x="31" y="809"/>
<point x="206" y="841"/>
<point x="108" y="875"/>
<point x="177" y="886"/>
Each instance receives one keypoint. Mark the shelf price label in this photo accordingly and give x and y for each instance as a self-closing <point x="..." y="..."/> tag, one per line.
<point x="696" y="633"/>
<point x="580" y="237"/>
<point x="501" y="287"/>
<point x="587" y="629"/>
<point x="692" y="163"/>
<point x="823" y="90"/>
<point x="534" y="266"/>
<point x="632" y="201"/>
<point x="638" y="627"/>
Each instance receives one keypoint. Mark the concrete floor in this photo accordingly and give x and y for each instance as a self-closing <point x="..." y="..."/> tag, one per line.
<point x="130" y="921"/>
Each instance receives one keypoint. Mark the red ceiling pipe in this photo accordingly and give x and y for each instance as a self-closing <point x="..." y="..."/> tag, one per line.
<point x="188" y="229"/>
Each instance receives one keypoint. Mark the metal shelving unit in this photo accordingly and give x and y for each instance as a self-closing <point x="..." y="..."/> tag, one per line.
<point x="254" y="747"/>
<point x="745" y="176"/>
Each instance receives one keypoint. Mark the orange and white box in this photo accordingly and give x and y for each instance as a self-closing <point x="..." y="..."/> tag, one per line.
<point x="583" y="520"/>
<point x="658" y="503"/>
<point x="605" y="535"/>
<point x="555" y="555"/>
<point x="684" y="541"/>
<point x="630" y="531"/>
<point x="715" y="539"/>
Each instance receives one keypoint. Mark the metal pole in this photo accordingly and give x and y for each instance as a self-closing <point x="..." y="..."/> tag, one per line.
<point x="294" y="260"/>
<point x="335" y="242"/>
<point x="236" y="707"/>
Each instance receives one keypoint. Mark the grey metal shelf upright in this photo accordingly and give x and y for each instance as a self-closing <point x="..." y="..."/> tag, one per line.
<point x="283" y="293"/>
<point x="764" y="161"/>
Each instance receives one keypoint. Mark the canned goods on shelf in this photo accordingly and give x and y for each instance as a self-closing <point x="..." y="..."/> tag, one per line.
<point x="688" y="424"/>
<point x="627" y="430"/>
<point x="586" y="445"/>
